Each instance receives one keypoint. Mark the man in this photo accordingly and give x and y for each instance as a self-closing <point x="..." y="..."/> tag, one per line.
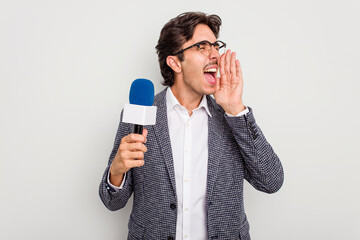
<point x="187" y="171"/>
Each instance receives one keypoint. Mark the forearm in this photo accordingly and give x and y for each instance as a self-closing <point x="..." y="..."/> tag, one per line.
<point x="112" y="199"/>
<point x="263" y="168"/>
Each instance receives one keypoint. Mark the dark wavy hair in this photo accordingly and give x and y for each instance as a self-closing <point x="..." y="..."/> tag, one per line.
<point x="178" y="31"/>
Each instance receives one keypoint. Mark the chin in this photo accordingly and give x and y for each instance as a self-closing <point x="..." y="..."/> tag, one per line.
<point x="209" y="90"/>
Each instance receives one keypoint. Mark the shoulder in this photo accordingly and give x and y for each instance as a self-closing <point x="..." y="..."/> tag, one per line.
<point x="160" y="98"/>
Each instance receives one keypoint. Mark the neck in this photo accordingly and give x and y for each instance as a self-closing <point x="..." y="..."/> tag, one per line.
<point x="187" y="99"/>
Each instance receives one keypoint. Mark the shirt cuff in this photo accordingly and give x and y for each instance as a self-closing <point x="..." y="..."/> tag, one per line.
<point x="116" y="188"/>
<point x="239" y="114"/>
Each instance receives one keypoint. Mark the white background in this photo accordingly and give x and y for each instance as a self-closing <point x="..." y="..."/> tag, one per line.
<point x="66" y="69"/>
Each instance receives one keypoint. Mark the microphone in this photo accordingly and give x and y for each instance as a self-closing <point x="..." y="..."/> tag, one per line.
<point x="140" y="111"/>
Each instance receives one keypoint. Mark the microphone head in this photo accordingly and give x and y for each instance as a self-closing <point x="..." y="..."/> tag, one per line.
<point x="142" y="92"/>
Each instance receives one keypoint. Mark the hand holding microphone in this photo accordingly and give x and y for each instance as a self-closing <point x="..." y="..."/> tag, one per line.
<point x="130" y="154"/>
<point x="139" y="112"/>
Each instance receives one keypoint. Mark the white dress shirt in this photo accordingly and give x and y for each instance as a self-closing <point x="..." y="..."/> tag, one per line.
<point x="189" y="144"/>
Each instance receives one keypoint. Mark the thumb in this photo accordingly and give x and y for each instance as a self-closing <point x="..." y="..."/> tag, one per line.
<point x="145" y="133"/>
<point x="218" y="79"/>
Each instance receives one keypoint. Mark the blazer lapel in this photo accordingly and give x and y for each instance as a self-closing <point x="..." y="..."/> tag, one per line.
<point x="161" y="130"/>
<point x="215" y="142"/>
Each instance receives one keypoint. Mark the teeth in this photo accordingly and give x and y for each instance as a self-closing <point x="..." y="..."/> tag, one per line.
<point x="210" y="70"/>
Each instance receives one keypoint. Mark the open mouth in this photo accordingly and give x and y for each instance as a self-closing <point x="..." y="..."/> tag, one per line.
<point x="210" y="74"/>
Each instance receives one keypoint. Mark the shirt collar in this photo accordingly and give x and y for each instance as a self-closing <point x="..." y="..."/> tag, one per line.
<point x="172" y="102"/>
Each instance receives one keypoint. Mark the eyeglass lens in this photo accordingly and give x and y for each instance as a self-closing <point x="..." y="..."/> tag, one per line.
<point x="205" y="47"/>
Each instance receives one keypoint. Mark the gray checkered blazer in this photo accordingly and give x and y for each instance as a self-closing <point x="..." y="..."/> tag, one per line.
<point x="238" y="150"/>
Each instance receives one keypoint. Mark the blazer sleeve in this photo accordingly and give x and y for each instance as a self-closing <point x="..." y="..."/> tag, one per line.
<point x="112" y="199"/>
<point x="262" y="167"/>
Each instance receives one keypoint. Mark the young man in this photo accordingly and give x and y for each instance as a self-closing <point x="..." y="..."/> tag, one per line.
<point x="187" y="171"/>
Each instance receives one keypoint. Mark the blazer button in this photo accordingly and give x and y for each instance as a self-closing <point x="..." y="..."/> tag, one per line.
<point x="173" y="207"/>
<point x="170" y="238"/>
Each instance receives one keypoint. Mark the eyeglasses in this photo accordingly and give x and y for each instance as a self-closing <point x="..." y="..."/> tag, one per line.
<point x="205" y="47"/>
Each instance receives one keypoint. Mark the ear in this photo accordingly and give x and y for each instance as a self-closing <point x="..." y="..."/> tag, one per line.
<point x="174" y="63"/>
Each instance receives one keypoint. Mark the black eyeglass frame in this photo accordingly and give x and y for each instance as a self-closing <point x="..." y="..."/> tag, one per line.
<point x="199" y="43"/>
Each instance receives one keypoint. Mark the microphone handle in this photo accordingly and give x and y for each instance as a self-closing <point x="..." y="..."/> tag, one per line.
<point x="138" y="129"/>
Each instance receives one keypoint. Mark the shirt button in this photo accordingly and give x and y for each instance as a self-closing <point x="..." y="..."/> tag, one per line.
<point x="185" y="236"/>
<point x="187" y="125"/>
<point x="186" y="209"/>
<point x="187" y="180"/>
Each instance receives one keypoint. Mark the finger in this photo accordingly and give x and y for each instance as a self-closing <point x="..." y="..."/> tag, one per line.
<point x="233" y="66"/>
<point x="133" y="137"/>
<point x="138" y="163"/>
<point x="128" y="155"/>
<point x="133" y="163"/>
<point x="220" y="70"/>
<point x="137" y="146"/>
<point x="227" y="61"/>
<point x="238" y="69"/>
<point x="222" y="66"/>
<point x="218" y="60"/>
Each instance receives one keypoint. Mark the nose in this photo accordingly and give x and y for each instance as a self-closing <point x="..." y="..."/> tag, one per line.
<point x="214" y="54"/>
